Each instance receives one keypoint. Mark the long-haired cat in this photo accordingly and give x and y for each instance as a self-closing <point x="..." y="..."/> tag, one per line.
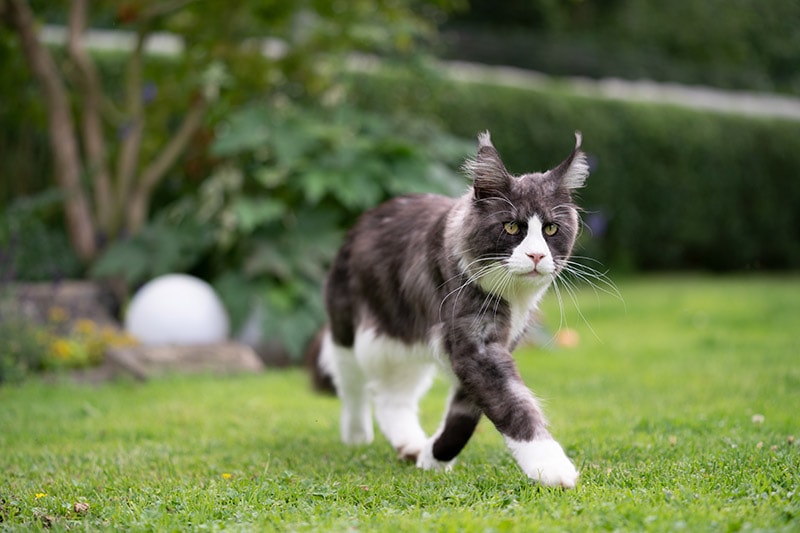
<point x="425" y="282"/>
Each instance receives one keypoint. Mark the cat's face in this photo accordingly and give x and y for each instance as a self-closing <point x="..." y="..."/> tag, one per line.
<point x="520" y="229"/>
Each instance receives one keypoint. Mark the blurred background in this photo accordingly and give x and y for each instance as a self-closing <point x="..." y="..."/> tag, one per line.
<point x="237" y="141"/>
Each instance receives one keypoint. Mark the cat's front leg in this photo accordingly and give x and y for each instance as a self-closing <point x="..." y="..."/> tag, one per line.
<point x="459" y="423"/>
<point x="489" y="377"/>
<point x="544" y="460"/>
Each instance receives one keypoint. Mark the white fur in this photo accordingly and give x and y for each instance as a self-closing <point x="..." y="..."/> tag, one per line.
<point x="426" y="460"/>
<point x="544" y="461"/>
<point x="356" y="416"/>
<point x="388" y="375"/>
<point x="578" y="171"/>
<point x="484" y="139"/>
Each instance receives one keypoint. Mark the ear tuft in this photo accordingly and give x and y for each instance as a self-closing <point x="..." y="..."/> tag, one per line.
<point x="484" y="139"/>
<point x="573" y="171"/>
<point x="489" y="175"/>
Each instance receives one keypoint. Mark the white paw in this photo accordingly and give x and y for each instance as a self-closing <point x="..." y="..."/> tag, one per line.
<point x="410" y="451"/>
<point x="544" y="461"/>
<point x="426" y="460"/>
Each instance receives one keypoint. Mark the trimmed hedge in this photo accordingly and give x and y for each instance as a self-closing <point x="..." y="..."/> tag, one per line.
<point x="671" y="188"/>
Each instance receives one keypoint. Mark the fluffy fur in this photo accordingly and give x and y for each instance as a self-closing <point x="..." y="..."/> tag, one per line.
<point x="425" y="282"/>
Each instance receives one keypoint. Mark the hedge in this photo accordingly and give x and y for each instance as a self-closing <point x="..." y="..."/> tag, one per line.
<point x="671" y="188"/>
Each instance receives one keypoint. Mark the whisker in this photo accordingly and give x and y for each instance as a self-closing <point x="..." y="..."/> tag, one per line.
<point x="573" y="272"/>
<point x="599" y="281"/>
<point x="571" y="290"/>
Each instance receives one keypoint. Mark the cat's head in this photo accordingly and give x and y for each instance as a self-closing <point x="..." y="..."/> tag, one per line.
<point x="521" y="228"/>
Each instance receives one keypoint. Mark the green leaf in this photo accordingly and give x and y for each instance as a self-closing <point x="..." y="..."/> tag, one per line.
<point x="246" y="129"/>
<point x="251" y="213"/>
<point x="236" y="293"/>
<point x="160" y="248"/>
<point x="271" y="176"/>
<point x="128" y="259"/>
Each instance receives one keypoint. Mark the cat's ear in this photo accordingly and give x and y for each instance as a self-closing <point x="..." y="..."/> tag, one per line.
<point x="573" y="171"/>
<point x="489" y="176"/>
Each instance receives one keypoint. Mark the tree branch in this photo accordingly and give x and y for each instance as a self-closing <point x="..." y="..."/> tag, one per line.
<point x="93" y="138"/>
<point x="63" y="139"/>
<point x="157" y="169"/>
<point x="132" y="129"/>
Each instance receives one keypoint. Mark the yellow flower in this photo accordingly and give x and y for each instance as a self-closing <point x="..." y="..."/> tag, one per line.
<point x="85" y="326"/>
<point x="40" y="495"/>
<point x="61" y="348"/>
<point x="226" y="475"/>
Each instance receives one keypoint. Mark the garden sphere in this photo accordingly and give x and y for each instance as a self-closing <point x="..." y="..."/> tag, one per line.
<point x="177" y="309"/>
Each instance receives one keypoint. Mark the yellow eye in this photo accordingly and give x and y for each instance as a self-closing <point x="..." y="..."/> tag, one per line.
<point x="512" y="228"/>
<point x="550" y="229"/>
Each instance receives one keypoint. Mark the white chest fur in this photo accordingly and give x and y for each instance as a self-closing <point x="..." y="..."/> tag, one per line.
<point x="522" y="310"/>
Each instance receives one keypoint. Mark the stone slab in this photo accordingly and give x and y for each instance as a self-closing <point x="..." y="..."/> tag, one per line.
<point x="143" y="362"/>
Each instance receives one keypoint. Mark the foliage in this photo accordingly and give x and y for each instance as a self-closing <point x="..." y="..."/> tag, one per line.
<point x="33" y="246"/>
<point x="671" y="188"/>
<point x="23" y="140"/>
<point x="84" y="344"/>
<point x="59" y="341"/>
<point x="113" y="149"/>
<point x="748" y="44"/>
<point x="160" y="248"/>
<point x="22" y="349"/>
<point x="672" y="420"/>
<point x="265" y="226"/>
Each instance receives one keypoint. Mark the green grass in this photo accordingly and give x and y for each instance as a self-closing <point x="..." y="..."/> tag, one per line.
<point x="656" y="407"/>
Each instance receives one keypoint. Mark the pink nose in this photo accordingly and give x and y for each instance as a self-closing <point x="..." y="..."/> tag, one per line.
<point x="536" y="258"/>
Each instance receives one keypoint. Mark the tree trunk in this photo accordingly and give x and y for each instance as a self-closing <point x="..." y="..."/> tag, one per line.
<point x="63" y="138"/>
<point x="92" y="124"/>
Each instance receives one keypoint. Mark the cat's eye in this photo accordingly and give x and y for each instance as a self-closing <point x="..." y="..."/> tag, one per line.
<point x="512" y="228"/>
<point x="550" y="229"/>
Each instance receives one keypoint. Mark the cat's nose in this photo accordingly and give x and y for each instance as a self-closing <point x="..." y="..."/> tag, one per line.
<point x="535" y="258"/>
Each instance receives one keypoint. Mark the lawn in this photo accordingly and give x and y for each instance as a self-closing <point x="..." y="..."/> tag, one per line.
<point x="678" y="406"/>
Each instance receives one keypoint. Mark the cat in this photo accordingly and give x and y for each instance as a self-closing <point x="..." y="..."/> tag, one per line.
<point x="426" y="282"/>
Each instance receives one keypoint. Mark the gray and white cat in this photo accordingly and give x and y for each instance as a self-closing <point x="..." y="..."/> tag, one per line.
<point x="426" y="282"/>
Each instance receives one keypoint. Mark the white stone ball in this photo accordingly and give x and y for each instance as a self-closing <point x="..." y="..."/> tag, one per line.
<point x="177" y="309"/>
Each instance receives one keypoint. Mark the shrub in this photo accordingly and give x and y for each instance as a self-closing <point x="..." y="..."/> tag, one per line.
<point x="265" y="226"/>
<point x="52" y="338"/>
<point x="22" y="349"/>
<point x="33" y="246"/>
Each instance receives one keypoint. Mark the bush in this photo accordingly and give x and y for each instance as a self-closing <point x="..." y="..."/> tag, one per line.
<point x="266" y="225"/>
<point x="33" y="242"/>
<point x="671" y="188"/>
<point x="22" y="349"/>
<point x="59" y="344"/>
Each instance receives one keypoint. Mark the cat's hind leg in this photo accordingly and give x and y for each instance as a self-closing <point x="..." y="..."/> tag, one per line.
<point x="397" y="378"/>
<point x="351" y="387"/>
<point x="396" y="402"/>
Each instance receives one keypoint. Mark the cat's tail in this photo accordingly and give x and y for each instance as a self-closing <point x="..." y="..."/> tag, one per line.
<point x="321" y="380"/>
